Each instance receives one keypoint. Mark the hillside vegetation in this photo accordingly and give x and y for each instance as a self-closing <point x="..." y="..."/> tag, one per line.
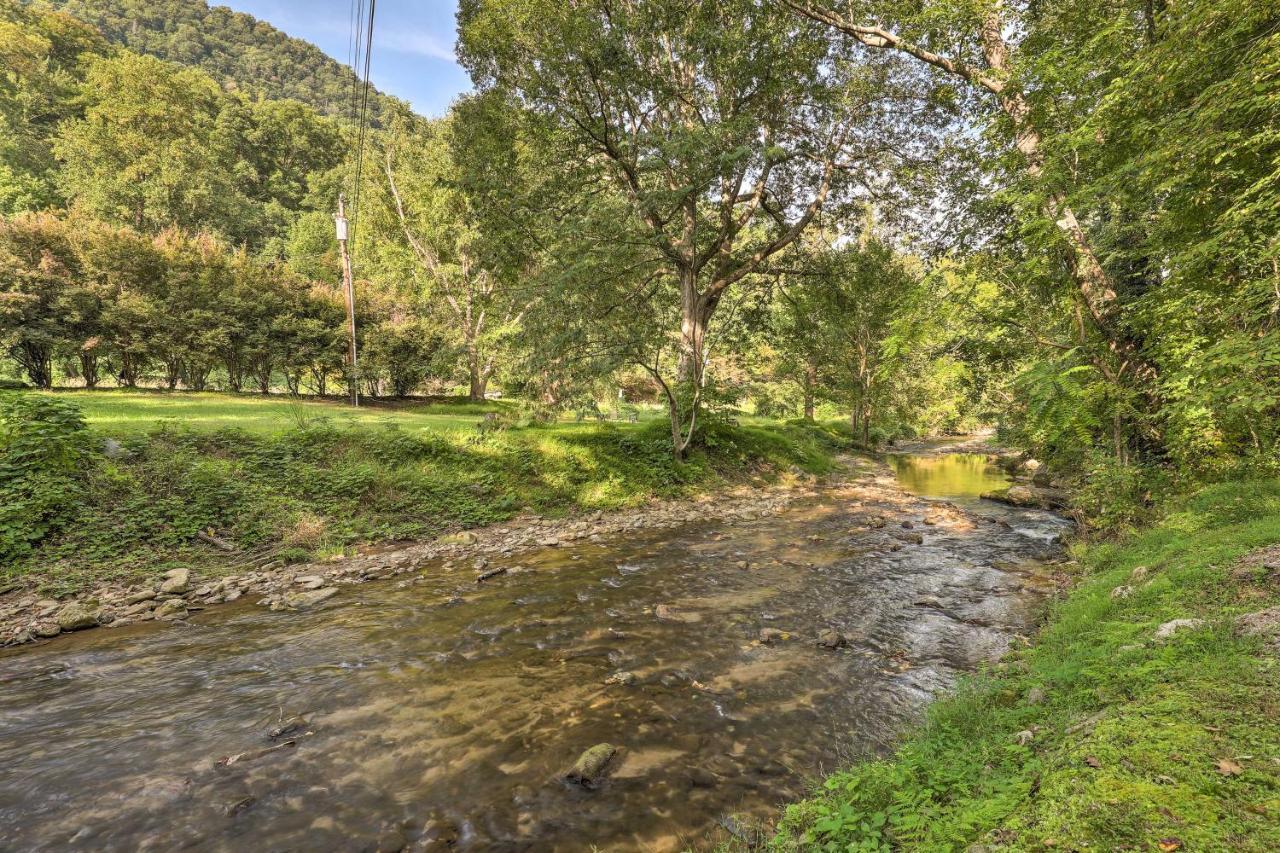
<point x="235" y="49"/>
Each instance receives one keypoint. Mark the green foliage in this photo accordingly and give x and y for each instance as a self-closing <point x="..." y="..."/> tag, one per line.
<point x="226" y="45"/>
<point x="42" y="452"/>
<point x="312" y="484"/>
<point x="1123" y="750"/>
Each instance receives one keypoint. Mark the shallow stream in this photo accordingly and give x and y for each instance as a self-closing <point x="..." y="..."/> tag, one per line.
<point x="442" y="714"/>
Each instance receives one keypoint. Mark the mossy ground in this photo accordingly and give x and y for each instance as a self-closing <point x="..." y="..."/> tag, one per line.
<point x="1137" y="744"/>
<point x="306" y="481"/>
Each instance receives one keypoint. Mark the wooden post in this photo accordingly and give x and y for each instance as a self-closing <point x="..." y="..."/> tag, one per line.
<point x="349" y="296"/>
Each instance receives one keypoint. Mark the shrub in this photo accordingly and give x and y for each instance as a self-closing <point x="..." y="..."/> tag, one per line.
<point x="43" y="451"/>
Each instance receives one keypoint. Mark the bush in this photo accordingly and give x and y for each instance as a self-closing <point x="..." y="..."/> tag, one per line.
<point x="43" y="448"/>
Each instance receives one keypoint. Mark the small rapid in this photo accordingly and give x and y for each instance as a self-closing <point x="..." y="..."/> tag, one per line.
<point x="442" y="714"/>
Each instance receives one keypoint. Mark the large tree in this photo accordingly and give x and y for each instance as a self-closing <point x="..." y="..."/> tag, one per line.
<point x="726" y="127"/>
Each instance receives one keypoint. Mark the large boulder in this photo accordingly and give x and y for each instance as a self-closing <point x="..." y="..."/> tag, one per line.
<point x="76" y="616"/>
<point x="176" y="582"/>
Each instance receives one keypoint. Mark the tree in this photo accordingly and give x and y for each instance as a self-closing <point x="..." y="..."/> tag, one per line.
<point x="42" y="55"/>
<point x="860" y="306"/>
<point x="726" y="128"/>
<point x="449" y="256"/>
<point x="40" y="267"/>
<point x="984" y="58"/>
<point x="146" y="153"/>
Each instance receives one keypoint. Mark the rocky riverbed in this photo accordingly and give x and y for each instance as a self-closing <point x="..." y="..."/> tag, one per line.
<point x="26" y="616"/>
<point x="629" y="682"/>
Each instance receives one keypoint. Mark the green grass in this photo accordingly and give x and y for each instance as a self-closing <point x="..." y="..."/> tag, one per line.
<point x="1145" y="772"/>
<point x="123" y="412"/>
<point x="301" y="481"/>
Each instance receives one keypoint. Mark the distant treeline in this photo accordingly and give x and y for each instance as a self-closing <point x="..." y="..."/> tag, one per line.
<point x="97" y="303"/>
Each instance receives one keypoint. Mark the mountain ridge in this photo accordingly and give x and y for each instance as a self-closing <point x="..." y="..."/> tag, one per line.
<point x="238" y="50"/>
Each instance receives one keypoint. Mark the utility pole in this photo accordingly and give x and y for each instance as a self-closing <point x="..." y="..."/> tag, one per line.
<point x="349" y="295"/>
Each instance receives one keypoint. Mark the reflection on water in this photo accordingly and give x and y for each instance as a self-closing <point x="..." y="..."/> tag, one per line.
<point x="444" y="712"/>
<point x="948" y="475"/>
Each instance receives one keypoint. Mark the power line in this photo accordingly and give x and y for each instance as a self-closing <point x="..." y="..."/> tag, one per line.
<point x="357" y="210"/>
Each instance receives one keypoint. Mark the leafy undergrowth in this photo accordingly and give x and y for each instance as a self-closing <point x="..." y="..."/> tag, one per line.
<point x="311" y="490"/>
<point x="1134" y="743"/>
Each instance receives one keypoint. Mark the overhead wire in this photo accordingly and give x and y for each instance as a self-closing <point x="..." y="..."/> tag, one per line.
<point x="364" y="118"/>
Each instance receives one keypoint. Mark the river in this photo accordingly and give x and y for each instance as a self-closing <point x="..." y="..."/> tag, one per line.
<point x="442" y="715"/>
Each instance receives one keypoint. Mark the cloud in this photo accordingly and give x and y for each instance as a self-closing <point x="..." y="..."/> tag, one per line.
<point x="416" y="42"/>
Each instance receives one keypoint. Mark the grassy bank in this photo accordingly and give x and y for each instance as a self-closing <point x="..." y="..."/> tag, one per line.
<point x="306" y="481"/>
<point x="1100" y="736"/>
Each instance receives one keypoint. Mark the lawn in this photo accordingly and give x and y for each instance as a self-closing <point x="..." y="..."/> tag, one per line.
<point x="122" y="412"/>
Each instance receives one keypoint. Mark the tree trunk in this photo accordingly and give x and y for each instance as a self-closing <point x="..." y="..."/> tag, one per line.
<point x="89" y="368"/>
<point x="130" y="369"/>
<point x="1091" y="279"/>
<point x="695" y="316"/>
<point x="810" y="383"/>
<point x="479" y="381"/>
<point x="172" y="370"/>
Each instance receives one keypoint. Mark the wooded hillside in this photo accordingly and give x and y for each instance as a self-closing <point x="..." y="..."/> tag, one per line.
<point x="234" y="48"/>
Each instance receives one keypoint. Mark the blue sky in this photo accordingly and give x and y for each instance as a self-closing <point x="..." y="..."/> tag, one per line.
<point x="412" y="43"/>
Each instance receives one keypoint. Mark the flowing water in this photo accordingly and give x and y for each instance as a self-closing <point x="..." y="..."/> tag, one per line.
<point x="444" y="713"/>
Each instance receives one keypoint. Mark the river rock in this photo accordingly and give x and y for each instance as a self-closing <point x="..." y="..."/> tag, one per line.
<point x="176" y="582"/>
<point x="1173" y="626"/>
<point x="831" y="639"/>
<point x="76" y="616"/>
<point x="46" y="629"/>
<point x="1020" y="496"/>
<point x="621" y="677"/>
<point x="437" y="834"/>
<point x="592" y="766"/>
<point x="309" y="581"/>
<point x="174" y="608"/>
<point x="700" y="777"/>
<point x="142" y="595"/>
<point x="310" y="598"/>
<point x="290" y="726"/>
<point x="772" y="635"/>
<point x="667" y="613"/>
<point x="463" y="537"/>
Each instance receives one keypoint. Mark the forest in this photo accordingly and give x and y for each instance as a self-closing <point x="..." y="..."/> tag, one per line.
<point x="767" y="231"/>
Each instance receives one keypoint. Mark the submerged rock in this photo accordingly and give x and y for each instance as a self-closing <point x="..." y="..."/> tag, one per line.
<point x="621" y="677"/>
<point x="772" y="635"/>
<point x="667" y="613"/>
<point x="592" y="766"/>
<point x="831" y="639"/>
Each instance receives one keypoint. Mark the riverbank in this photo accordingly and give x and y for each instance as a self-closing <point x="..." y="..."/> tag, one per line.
<point x="718" y="665"/>
<point x="1144" y="717"/>
<point x="176" y="519"/>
